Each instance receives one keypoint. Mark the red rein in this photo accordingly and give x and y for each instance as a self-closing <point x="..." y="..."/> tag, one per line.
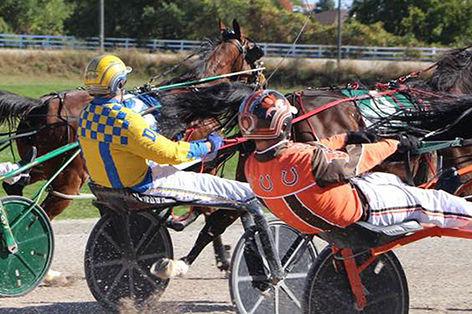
<point x="339" y="101"/>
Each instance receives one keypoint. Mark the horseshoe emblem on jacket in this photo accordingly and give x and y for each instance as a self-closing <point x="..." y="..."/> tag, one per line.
<point x="269" y="186"/>
<point x="294" y="175"/>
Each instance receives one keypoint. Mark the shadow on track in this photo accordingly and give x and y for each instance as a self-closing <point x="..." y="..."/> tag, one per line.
<point x="93" y="307"/>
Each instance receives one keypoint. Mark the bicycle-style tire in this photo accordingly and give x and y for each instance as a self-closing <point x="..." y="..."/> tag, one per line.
<point x="24" y="270"/>
<point x="283" y="298"/>
<point x="328" y="290"/>
<point x="119" y="254"/>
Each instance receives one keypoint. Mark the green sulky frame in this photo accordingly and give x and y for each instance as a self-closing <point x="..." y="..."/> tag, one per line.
<point x="26" y="235"/>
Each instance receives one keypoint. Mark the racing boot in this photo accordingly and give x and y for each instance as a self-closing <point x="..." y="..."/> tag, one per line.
<point x="17" y="187"/>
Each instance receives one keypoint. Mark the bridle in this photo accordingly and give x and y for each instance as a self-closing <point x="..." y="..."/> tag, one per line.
<point x="249" y="54"/>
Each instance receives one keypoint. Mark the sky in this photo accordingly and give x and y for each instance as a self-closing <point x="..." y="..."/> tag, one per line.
<point x="347" y="2"/>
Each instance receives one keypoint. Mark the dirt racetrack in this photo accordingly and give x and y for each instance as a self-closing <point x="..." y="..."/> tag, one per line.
<point x="439" y="273"/>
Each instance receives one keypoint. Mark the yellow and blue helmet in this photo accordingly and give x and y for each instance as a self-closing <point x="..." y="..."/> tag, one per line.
<point x="105" y="74"/>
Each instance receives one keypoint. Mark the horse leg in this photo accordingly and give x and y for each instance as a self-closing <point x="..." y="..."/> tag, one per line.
<point x="221" y="253"/>
<point x="220" y="250"/>
<point x="68" y="182"/>
<point x="215" y="225"/>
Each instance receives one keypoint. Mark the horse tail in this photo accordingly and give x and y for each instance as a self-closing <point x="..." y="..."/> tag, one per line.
<point x="13" y="106"/>
<point x="220" y="101"/>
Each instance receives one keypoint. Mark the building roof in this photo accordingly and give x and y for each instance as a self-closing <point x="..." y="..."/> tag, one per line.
<point x="331" y="16"/>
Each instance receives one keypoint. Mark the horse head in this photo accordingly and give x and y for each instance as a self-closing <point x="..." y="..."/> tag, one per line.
<point x="233" y="52"/>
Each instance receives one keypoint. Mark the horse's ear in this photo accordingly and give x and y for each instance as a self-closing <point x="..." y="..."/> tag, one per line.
<point x="237" y="29"/>
<point x="221" y="25"/>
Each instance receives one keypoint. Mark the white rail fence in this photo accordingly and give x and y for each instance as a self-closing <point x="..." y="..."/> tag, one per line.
<point x="270" y="49"/>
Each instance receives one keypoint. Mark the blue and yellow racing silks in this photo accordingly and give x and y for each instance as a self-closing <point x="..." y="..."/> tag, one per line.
<point x="116" y="142"/>
<point x="140" y="102"/>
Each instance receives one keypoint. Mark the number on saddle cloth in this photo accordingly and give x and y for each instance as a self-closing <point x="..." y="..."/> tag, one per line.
<point x="140" y="102"/>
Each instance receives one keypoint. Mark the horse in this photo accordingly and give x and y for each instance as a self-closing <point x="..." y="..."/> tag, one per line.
<point x="453" y="75"/>
<point x="338" y="112"/>
<point x="51" y="121"/>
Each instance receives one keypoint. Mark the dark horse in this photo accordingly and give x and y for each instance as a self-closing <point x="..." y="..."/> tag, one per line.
<point x="453" y="74"/>
<point x="53" y="118"/>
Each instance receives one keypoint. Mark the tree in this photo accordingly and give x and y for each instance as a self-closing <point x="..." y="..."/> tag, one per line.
<point x="432" y="21"/>
<point x="325" y="5"/>
<point x="34" y="16"/>
<point x="122" y="18"/>
<point x="264" y="20"/>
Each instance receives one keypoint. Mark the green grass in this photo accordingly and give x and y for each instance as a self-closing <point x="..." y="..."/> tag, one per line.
<point x="35" y="87"/>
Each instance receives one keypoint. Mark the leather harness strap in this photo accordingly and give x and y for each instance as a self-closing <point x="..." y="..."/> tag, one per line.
<point x="297" y="97"/>
<point x="339" y="101"/>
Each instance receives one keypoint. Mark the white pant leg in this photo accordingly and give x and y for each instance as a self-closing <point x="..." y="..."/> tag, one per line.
<point x="203" y="188"/>
<point x="391" y="201"/>
<point x="7" y="167"/>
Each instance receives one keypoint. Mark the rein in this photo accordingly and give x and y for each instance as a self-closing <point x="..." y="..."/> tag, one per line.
<point x="173" y="68"/>
<point x="342" y="100"/>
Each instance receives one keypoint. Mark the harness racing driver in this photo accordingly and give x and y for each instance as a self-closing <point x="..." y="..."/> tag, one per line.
<point x="121" y="151"/>
<point x="322" y="185"/>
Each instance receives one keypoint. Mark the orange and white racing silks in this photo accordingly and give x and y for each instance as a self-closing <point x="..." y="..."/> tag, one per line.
<point x="306" y="185"/>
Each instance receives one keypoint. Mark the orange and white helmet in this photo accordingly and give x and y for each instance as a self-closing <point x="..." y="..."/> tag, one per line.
<point x="265" y="114"/>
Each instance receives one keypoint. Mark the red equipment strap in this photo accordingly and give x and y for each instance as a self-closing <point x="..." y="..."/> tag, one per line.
<point x="238" y="140"/>
<point x="403" y="78"/>
<point x="232" y="142"/>
<point x="338" y="101"/>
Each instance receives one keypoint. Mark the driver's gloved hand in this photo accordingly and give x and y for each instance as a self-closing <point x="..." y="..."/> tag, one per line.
<point x="216" y="141"/>
<point x="361" y="137"/>
<point x="407" y="143"/>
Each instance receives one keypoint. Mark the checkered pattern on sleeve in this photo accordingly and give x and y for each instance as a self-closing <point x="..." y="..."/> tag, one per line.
<point x="104" y="123"/>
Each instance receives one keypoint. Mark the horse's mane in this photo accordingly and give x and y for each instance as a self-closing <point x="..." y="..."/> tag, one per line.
<point x="13" y="106"/>
<point x="449" y="117"/>
<point x="197" y="66"/>
<point x="220" y="101"/>
<point x="453" y="69"/>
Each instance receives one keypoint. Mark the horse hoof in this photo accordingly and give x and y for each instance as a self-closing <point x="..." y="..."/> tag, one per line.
<point x="166" y="268"/>
<point x="55" y="279"/>
<point x="223" y="266"/>
<point x="161" y="268"/>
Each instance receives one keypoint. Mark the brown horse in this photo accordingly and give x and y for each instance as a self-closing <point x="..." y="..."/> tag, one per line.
<point x="54" y="117"/>
<point x="345" y="116"/>
<point x="453" y="74"/>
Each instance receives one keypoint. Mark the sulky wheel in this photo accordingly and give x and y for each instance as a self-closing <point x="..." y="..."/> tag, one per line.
<point x="328" y="291"/>
<point x="22" y="271"/>
<point x="296" y="251"/>
<point x="119" y="254"/>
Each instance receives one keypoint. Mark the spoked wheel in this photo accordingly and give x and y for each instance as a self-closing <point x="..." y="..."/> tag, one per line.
<point x="22" y="271"/>
<point x="119" y="254"/>
<point x="296" y="251"/>
<point x="328" y="290"/>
